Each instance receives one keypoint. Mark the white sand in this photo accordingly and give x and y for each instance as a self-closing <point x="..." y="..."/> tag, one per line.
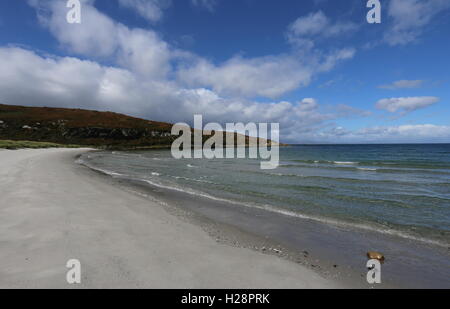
<point x="51" y="211"/>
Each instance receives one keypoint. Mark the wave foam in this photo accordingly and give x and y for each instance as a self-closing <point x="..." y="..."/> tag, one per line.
<point x="345" y="163"/>
<point x="281" y="211"/>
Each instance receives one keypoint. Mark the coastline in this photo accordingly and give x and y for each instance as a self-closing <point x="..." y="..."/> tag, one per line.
<point x="55" y="210"/>
<point x="334" y="251"/>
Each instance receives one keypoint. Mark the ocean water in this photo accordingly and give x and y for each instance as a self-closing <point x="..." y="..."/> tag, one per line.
<point x="401" y="190"/>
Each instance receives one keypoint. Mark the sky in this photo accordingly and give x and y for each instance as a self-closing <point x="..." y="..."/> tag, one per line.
<point x="316" y="67"/>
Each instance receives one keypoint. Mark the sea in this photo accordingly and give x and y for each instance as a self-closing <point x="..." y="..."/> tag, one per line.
<point x="400" y="191"/>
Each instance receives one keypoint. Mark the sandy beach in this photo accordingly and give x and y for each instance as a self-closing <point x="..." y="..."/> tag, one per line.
<point x="53" y="210"/>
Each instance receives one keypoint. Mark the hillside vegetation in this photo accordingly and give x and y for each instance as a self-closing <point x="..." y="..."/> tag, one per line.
<point x="81" y="127"/>
<point x="63" y="126"/>
<point x="31" y="145"/>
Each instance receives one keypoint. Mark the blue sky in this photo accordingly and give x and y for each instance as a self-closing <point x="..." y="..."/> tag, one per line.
<point x="315" y="66"/>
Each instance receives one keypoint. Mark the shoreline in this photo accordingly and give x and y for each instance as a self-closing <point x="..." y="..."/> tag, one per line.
<point x="335" y="252"/>
<point x="57" y="211"/>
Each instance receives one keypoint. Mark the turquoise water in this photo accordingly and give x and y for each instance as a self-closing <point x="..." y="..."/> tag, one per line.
<point x="393" y="189"/>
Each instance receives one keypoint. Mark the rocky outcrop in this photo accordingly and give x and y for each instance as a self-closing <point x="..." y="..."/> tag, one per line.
<point x="112" y="133"/>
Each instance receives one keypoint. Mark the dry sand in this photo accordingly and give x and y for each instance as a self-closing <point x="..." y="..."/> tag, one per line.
<point x="53" y="210"/>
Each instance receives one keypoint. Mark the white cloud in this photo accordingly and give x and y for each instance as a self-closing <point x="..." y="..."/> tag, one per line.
<point x="330" y="60"/>
<point x="152" y="10"/>
<point x="308" y="104"/>
<point x="210" y="5"/>
<point x="30" y="79"/>
<point x="346" y="111"/>
<point x="79" y="38"/>
<point x="307" y="29"/>
<point x="151" y="79"/>
<point x="406" y="105"/>
<point x="410" y="17"/>
<point x="407" y="133"/>
<point x="266" y="76"/>
<point x="420" y="133"/>
<point x="313" y="24"/>
<point x="270" y="76"/>
<point x="145" y="53"/>
<point x="401" y="84"/>
<point x="34" y="80"/>
<point x="137" y="49"/>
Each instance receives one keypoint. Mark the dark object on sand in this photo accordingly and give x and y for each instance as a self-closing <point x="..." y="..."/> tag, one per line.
<point x="375" y="256"/>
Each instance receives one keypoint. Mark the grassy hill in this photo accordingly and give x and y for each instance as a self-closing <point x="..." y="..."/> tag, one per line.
<point x="82" y="127"/>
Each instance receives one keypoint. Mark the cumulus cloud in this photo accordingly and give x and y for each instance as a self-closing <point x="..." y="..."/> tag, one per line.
<point x="402" y="84"/>
<point x="410" y="17"/>
<point x="406" y="105"/>
<point x="265" y="76"/>
<point x="152" y="10"/>
<point x="37" y="80"/>
<point x="147" y="77"/>
<point x="270" y="76"/>
<point x="273" y="76"/>
<point x="145" y="53"/>
<point x="79" y="38"/>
